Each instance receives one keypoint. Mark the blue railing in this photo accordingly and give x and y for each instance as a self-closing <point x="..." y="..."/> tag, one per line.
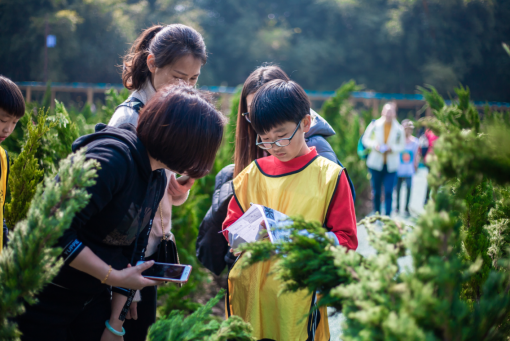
<point x="231" y="90"/>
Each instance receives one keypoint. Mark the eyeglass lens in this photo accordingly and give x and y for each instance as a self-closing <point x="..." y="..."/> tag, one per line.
<point x="279" y="143"/>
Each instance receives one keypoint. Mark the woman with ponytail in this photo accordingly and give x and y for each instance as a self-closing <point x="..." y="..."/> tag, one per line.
<point x="160" y="56"/>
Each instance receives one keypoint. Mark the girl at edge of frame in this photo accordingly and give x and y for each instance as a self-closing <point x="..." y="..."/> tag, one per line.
<point x="109" y="236"/>
<point x="160" y="56"/>
<point x="212" y="248"/>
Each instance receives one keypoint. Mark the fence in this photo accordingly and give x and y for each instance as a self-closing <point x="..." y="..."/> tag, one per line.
<point x="367" y="98"/>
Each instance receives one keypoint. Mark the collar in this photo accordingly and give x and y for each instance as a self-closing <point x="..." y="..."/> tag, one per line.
<point x="145" y="93"/>
<point x="272" y="166"/>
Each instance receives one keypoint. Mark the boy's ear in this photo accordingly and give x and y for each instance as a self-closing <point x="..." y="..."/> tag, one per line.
<point x="306" y="123"/>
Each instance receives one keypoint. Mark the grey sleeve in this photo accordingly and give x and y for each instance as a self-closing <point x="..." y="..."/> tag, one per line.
<point x="124" y="115"/>
<point x="323" y="147"/>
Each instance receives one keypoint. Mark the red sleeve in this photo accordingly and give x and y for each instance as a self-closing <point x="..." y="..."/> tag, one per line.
<point x="341" y="217"/>
<point x="234" y="212"/>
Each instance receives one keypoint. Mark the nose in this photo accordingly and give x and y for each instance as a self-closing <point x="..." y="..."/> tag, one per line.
<point x="9" y="128"/>
<point x="277" y="149"/>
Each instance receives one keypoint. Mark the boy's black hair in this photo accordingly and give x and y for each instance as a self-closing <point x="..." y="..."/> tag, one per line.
<point x="277" y="102"/>
<point x="11" y="98"/>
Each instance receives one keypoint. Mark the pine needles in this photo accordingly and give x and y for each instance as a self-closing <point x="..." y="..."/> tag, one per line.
<point x="199" y="326"/>
<point x="30" y="261"/>
<point x="26" y="172"/>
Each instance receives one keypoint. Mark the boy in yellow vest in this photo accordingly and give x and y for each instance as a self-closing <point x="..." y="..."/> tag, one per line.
<point x="12" y="108"/>
<point x="294" y="180"/>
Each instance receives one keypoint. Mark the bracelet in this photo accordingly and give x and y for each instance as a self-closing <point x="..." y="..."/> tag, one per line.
<point x="115" y="332"/>
<point x="108" y="274"/>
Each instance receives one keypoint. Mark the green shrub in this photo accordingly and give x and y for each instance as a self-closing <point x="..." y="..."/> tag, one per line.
<point x="349" y="125"/>
<point x="199" y="326"/>
<point x="26" y="172"/>
<point x="30" y="262"/>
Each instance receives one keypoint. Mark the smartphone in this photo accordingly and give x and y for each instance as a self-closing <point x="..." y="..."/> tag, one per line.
<point x="183" y="179"/>
<point x="167" y="272"/>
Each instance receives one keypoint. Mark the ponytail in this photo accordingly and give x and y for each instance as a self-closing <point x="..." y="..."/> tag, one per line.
<point x="167" y="44"/>
<point x="135" y="70"/>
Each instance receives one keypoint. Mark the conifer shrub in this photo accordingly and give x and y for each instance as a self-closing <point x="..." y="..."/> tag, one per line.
<point x="498" y="228"/>
<point x="57" y="143"/>
<point x="200" y="327"/>
<point x="26" y="172"/>
<point x="349" y="125"/>
<point x="30" y="261"/>
<point x="47" y="139"/>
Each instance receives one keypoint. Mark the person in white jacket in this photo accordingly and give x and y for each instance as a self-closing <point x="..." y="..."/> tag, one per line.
<point x="385" y="138"/>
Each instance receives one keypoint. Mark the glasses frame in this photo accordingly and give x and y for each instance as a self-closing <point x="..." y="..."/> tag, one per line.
<point x="259" y="144"/>
<point x="245" y="115"/>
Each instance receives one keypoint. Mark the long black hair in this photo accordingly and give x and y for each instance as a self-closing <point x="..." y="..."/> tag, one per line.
<point x="245" y="149"/>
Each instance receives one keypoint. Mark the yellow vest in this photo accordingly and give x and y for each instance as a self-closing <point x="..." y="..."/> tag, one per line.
<point x="252" y="293"/>
<point x="4" y="164"/>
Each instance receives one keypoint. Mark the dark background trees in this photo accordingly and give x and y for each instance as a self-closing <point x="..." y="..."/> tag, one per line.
<point x="388" y="45"/>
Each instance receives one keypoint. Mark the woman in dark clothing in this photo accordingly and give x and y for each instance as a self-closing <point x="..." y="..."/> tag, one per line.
<point x="179" y="130"/>
<point x="212" y="248"/>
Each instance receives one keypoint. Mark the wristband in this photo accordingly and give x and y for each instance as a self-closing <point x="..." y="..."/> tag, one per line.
<point x="115" y="332"/>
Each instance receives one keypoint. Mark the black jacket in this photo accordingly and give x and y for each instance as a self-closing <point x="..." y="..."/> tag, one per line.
<point x="125" y="187"/>
<point x="212" y="247"/>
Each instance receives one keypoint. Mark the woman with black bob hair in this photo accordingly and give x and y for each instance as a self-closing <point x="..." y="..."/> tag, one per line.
<point x="212" y="248"/>
<point x="178" y="130"/>
<point x="160" y="56"/>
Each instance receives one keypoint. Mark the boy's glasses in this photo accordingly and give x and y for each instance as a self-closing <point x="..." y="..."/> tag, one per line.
<point x="280" y="143"/>
<point x="246" y="116"/>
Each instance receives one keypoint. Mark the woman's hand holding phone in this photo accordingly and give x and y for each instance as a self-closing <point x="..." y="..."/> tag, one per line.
<point x="131" y="277"/>
<point x="179" y="186"/>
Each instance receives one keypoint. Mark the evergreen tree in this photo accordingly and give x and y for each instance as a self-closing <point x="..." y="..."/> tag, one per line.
<point x="25" y="172"/>
<point x="57" y="142"/>
<point x="30" y="262"/>
<point x="199" y="326"/>
<point x="476" y="242"/>
<point x="349" y="125"/>
<point x="498" y="228"/>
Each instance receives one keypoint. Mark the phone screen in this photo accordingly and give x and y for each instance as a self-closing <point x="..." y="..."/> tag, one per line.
<point x="162" y="270"/>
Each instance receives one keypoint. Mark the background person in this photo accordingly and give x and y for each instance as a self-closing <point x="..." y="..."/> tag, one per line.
<point x="408" y="165"/>
<point x="385" y="139"/>
<point x="180" y="130"/>
<point x="429" y="155"/>
<point x="160" y="56"/>
<point x="212" y="248"/>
